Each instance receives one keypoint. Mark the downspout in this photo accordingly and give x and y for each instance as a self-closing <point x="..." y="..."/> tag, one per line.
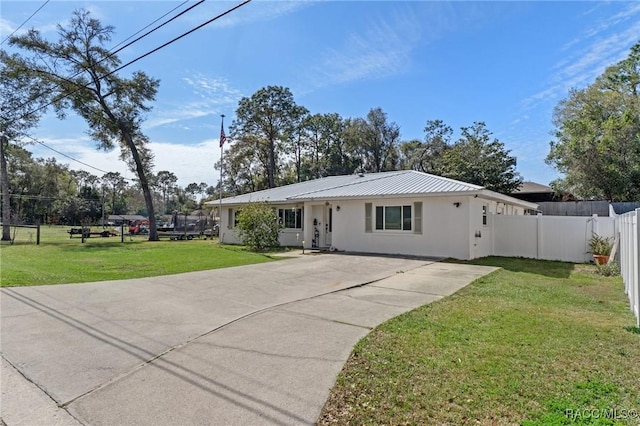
<point x="472" y="238"/>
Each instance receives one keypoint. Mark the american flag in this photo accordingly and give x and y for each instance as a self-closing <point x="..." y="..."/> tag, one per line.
<point x="223" y="137"/>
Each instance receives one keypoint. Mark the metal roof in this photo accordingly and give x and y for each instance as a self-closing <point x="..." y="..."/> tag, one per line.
<point x="400" y="183"/>
<point x="533" y="187"/>
<point x="396" y="183"/>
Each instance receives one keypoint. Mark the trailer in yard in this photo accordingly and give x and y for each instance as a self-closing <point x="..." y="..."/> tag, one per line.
<point x="185" y="227"/>
<point x="86" y="232"/>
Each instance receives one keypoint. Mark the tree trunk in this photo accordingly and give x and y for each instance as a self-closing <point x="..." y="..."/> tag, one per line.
<point x="272" y="164"/>
<point x="148" y="199"/>
<point x="6" y="200"/>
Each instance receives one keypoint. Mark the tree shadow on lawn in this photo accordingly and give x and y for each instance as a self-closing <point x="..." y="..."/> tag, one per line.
<point x="97" y="246"/>
<point x="548" y="268"/>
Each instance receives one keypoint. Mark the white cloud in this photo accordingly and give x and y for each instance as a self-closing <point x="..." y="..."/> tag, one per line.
<point x="214" y="95"/>
<point x="384" y="49"/>
<point x="6" y="28"/>
<point x="216" y="90"/>
<point x="587" y="63"/>
<point x="616" y="19"/>
<point x="255" y="11"/>
<point x="630" y="13"/>
<point x="188" y="112"/>
<point x="190" y="163"/>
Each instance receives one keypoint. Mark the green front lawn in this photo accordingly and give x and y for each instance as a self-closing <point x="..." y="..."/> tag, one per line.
<point x="60" y="259"/>
<point x="535" y="343"/>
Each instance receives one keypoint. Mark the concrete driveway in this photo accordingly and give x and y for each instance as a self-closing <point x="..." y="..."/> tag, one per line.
<point x="258" y="344"/>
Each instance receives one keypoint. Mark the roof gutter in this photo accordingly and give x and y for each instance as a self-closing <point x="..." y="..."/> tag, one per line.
<point x="484" y="193"/>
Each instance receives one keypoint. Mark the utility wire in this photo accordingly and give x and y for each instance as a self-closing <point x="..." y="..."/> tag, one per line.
<point x="69" y="157"/>
<point x="142" y="56"/>
<point x="129" y="63"/>
<point x="27" y="20"/>
<point x="33" y="197"/>
<point x="178" y="38"/>
<point x="153" y="22"/>
<point x="68" y="79"/>
<point x="145" y="34"/>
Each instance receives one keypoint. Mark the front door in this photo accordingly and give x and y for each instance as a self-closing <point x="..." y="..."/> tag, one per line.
<point x="322" y="225"/>
<point x="328" y="225"/>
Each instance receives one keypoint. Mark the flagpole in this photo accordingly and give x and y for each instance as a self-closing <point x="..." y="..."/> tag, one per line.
<point x="222" y="141"/>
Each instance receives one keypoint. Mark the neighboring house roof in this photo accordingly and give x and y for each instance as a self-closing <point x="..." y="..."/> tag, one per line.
<point x="402" y="183"/>
<point x="528" y="187"/>
<point x="126" y="217"/>
<point x="625" y="207"/>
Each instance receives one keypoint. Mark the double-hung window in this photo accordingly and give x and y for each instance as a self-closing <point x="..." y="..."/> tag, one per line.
<point x="232" y="218"/>
<point x="393" y="218"/>
<point x="291" y="218"/>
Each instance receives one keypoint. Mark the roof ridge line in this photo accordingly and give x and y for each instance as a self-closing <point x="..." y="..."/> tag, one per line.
<point x="477" y="187"/>
<point x="349" y="184"/>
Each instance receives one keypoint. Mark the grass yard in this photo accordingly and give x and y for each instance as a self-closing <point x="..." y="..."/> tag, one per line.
<point x="60" y="259"/>
<point x="535" y="343"/>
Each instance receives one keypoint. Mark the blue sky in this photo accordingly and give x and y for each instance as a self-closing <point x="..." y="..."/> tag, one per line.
<point x="505" y="63"/>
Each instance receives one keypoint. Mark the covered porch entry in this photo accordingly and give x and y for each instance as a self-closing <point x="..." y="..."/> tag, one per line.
<point x="320" y="225"/>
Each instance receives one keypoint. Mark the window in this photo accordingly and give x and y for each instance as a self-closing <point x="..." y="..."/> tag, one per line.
<point x="485" y="209"/>
<point x="291" y="218"/>
<point x="406" y="218"/>
<point x="393" y="218"/>
<point x="367" y="217"/>
<point x="379" y="217"/>
<point x="417" y="218"/>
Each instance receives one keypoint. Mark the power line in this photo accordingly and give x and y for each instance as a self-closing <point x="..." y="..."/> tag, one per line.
<point x="70" y="157"/>
<point x="126" y="65"/>
<point x="27" y="20"/>
<point x="178" y="38"/>
<point x="142" y="56"/>
<point x="153" y="22"/>
<point x="33" y="197"/>
<point x="68" y="79"/>
<point x="147" y="33"/>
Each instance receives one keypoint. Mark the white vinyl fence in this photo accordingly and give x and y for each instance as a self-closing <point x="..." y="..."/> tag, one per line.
<point x="630" y="257"/>
<point x="563" y="238"/>
<point x="566" y="238"/>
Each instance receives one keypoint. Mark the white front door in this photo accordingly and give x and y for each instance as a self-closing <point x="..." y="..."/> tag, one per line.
<point x="322" y="225"/>
<point x="328" y="225"/>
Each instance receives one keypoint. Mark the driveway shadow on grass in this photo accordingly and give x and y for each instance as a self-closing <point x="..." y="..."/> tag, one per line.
<point x="548" y="268"/>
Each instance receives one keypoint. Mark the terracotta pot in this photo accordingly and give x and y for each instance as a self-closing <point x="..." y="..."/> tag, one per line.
<point x="600" y="259"/>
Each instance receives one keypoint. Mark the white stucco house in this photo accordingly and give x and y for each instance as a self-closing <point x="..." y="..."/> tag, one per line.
<point x="399" y="212"/>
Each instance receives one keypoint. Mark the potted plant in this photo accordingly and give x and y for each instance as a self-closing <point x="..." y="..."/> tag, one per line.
<point x="600" y="247"/>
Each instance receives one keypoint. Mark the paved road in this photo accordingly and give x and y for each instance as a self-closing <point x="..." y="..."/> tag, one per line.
<point x="258" y="344"/>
